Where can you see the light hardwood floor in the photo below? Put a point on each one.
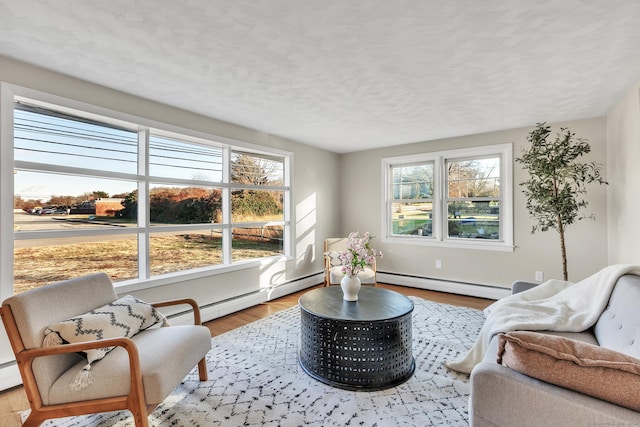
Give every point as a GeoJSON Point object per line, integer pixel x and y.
{"type": "Point", "coordinates": [13, 401]}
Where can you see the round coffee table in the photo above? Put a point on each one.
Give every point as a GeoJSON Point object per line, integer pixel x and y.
{"type": "Point", "coordinates": [356, 345]}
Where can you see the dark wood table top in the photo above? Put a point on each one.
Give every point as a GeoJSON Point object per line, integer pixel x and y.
{"type": "Point", "coordinates": [373, 304]}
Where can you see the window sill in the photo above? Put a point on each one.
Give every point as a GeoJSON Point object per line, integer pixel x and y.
{"type": "Point", "coordinates": [479, 244]}
{"type": "Point", "coordinates": [183, 276]}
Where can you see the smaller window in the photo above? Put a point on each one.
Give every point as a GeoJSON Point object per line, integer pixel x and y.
{"type": "Point", "coordinates": [457, 198]}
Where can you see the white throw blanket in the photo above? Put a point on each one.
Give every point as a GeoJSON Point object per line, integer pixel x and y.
{"type": "Point", "coordinates": [553, 306]}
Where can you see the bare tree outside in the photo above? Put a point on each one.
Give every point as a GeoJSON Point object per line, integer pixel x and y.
{"type": "Point", "coordinates": [473, 178]}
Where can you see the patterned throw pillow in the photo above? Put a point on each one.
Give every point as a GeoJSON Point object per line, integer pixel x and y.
{"type": "Point", "coordinates": [124, 317]}
{"type": "Point", "coordinates": [334, 258]}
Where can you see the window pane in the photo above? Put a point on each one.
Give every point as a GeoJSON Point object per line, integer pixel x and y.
{"type": "Point", "coordinates": [184, 205]}
{"type": "Point", "coordinates": [474, 220]}
{"type": "Point", "coordinates": [43, 261]}
{"type": "Point", "coordinates": [171, 251]}
{"type": "Point", "coordinates": [257, 242]}
{"type": "Point", "coordinates": [170, 158]}
{"type": "Point", "coordinates": [69, 201]}
{"type": "Point", "coordinates": [256, 169]}
{"type": "Point", "coordinates": [474, 178]}
{"type": "Point", "coordinates": [45, 136]}
{"type": "Point", "coordinates": [413, 182]}
{"type": "Point", "coordinates": [412, 218]}
{"type": "Point", "coordinates": [257, 205]}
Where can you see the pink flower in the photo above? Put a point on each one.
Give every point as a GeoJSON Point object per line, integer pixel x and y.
{"type": "Point", "coordinates": [358, 254]}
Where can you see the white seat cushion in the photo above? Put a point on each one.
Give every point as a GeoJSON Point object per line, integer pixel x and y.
{"type": "Point", "coordinates": [167, 355]}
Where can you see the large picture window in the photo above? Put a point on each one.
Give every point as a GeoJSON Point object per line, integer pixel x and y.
{"type": "Point", "coordinates": [457, 198]}
{"type": "Point", "coordinates": [93, 192]}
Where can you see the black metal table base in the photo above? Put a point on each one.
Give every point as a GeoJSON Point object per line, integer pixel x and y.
{"type": "Point", "coordinates": [352, 354]}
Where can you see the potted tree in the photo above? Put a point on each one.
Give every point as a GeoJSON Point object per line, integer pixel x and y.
{"type": "Point", "coordinates": [558, 179]}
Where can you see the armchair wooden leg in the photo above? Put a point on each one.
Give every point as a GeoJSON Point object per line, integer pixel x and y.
{"type": "Point", "coordinates": [140, 416]}
{"type": "Point", "coordinates": [135, 400]}
{"type": "Point", "coordinates": [202, 369]}
{"type": "Point", "coordinates": [33, 420]}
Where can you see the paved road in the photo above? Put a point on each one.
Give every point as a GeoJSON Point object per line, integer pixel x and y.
{"type": "Point", "coordinates": [27, 222]}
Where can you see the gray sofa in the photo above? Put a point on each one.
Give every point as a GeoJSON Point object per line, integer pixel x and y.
{"type": "Point", "coordinates": [504, 397]}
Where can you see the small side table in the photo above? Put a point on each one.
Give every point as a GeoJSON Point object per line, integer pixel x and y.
{"type": "Point", "coordinates": [356, 345]}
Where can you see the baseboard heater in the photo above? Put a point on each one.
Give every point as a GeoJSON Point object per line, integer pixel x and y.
{"type": "Point", "coordinates": [442, 285]}
{"type": "Point", "coordinates": [231, 305]}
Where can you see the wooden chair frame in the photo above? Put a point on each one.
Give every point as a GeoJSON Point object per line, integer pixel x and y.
{"type": "Point", "coordinates": [134, 401]}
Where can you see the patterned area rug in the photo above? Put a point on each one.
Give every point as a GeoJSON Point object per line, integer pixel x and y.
{"type": "Point", "coordinates": [255, 380]}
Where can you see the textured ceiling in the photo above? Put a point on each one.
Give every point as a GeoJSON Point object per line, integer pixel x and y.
{"type": "Point", "coordinates": [344, 75]}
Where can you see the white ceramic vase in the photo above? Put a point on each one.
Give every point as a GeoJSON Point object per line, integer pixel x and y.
{"type": "Point", "coordinates": [350, 287]}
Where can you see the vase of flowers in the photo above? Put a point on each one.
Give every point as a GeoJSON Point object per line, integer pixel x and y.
{"type": "Point", "coordinates": [358, 255]}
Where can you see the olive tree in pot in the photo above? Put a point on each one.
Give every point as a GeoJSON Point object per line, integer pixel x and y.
{"type": "Point", "coordinates": [558, 179]}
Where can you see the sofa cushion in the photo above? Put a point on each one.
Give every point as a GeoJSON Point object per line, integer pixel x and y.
{"type": "Point", "coordinates": [166, 355]}
{"type": "Point", "coordinates": [618, 325]}
{"type": "Point", "coordinates": [586, 368]}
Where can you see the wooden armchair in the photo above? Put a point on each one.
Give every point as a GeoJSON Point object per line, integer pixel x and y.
{"type": "Point", "coordinates": [333, 267]}
{"type": "Point", "coordinates": [137, 375]}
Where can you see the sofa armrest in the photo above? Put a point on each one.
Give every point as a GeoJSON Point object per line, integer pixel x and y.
{"type": "Point", "coordinates": [521, 286]}
{"type": "Point", "coordinates": [503, 397]}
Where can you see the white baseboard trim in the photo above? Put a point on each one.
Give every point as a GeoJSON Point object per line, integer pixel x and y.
{"type": "Point", "coordinates": [471, 289]}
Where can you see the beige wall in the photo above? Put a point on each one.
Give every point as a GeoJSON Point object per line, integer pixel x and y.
{"type": "Point", "coordinates": [623, 154]}
{"type": "Point", "coordinates": [361, 202]}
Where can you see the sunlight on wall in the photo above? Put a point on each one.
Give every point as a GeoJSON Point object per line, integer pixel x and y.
{"type": "Point", "coordinates": [306, 230]}
{"type": "Point", "coordinates": [272, 275]}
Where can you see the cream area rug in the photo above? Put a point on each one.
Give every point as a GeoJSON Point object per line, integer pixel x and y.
{"type": "Point", "coordinates": [255, 380]}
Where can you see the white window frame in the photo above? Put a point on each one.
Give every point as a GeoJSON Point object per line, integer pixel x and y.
{"type": "Point", "coordinates": [9, 93]}
{"type": "Point", "coordinates": [439, 235]}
